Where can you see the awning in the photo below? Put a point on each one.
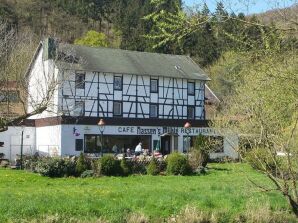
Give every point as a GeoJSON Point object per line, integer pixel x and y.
{"type": "Point", "coordinates": [169, 134]}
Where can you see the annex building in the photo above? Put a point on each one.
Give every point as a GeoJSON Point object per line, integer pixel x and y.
{"type": "Point", "coordinates": [142, 97]}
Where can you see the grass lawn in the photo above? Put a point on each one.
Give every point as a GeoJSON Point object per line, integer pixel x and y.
{"type": "Point", "coordinates": [225, 189]}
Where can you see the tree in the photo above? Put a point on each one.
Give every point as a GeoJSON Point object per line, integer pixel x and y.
{"type": "Point", "coordinates": [93, 39]}
{"type": "Point", "coordinates": [263, 108]}
{"type": "Point", "coordinates": [16, 53]}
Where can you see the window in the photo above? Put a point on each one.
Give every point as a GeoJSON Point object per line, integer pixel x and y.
{"type": "Point", "coordinates": [93, 143]}
{"type": "Point", "coordinates": [80, 81]}
{"type": "Point", "coordinates": [190, 112]}
{"type": "Point", "coordinates": [117, 108]}
{"type": "Point", "coordinates": [79, 144]}
{"type": "Point", "coordinates": [118, 83]}
{"type": "Point", "coordinates": [79, 108]}
{"type": "Point", "coordinates": [9, 96]}
{"type": "Point", "coordinates": [187, 143]}
{"type": "Point", "coordinates": [154, 85]}
{"type": "Point", "coordinates": [153, 111]}
{"type": "Point", "coordinates": [191, 88]}
{"type": "Point", "coordinates": [216, 144]}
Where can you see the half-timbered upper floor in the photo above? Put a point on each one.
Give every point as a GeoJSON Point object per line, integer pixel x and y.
{"type": "Point", "coordinates": [114, 83]}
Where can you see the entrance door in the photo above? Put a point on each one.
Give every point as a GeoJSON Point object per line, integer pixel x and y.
{"type": "Point", "coordinates": [165, 145]}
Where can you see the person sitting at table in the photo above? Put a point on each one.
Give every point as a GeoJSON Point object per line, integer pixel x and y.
{"type": "Point", "coordinates": [128, 153]}
{"type": "Point", "coordinates": [115, 149]}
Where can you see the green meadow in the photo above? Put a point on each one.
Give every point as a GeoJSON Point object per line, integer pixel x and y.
{"type": "Point", "coordinates": [225, 190]}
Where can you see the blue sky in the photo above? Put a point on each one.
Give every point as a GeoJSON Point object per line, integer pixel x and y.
{"type": "Point", "coordinates": [245, 6]}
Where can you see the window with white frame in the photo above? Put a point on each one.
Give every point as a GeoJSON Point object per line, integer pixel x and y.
{"type": "Point", "coordinates": [154, 85]}
{"type": "Point", "coordinates": [80, 80]}
{"type": "Point", "coordinates": [117, 108]}
{"type": "Point", "coordinates": [153, 111]}
{"type": "Point", "coordinates": [191, 88]}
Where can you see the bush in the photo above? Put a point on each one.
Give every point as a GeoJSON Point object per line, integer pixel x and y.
{"type": "Point", "coordinates": [260, 159]}
{"type": "Point", "coordinates": [125, 167]}
{"type": "Point", "coordinates": [87, 173]}
{"type": "Point", "coordinates": [177, 164]}
{"type": "Point", "coordinates": [52, 167]}
{"type": "Point", "coordinates": [200, 154]}
{"type": "Point", "coordinates": [153, 167]}
{"type": "Point", "coordinates": [109, 166]}
{"type": "Point", "coordinates": [69, 167]}
{"type": "Point", "coordinates": [138, 166]}
{"type": "Point", "coordinates": [81, 165]}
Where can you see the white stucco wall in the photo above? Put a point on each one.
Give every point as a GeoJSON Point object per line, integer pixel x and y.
{"type": "Point", "coordinates": [48, 140]}
{"type": "Point", "coordinates": [41, 75]}
{"type": "Point", "coordinates": [12, 141]}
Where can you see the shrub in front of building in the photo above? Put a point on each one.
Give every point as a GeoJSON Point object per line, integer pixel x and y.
{"type": "Point", "coordinates": [87, 173]}
{"type": "Point", "coordinates": [109, 166]}
{"type": "Point", "coordinates": [139, 166]}
{"type": "Point", "coordinates": [125, 167]}
{"type": "Point", "coordinates": [55, 167]}
{"type": "Point", "coordinates": [81, 164]}
{"type": "Point", "coordinates": [153, 167]}
{"type": "Point", "coordinates": [200, 153]}
{"type": "Point", "coordinates": [177, 164]}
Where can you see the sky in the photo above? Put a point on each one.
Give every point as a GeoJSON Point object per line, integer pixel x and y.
{"type": "Point", "coordinates": [245, 6]}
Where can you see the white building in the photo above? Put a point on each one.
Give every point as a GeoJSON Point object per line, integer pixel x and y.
{"type": "Point", "coordinates": [142, 97]}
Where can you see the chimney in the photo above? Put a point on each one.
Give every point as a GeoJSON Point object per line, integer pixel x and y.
{"type": "Point", "coordinates": [49, 48]}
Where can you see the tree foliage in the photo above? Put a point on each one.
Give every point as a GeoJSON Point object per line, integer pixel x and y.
{"type": "Point", "coordinates": [263, 110]}
{"type": "Point", "coordinates": [93, 39]}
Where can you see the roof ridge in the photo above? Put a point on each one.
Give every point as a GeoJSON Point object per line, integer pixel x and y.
{"type": "Point", "coordinates": [133, 51]}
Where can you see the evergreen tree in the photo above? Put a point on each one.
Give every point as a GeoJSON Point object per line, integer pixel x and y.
{"type": "Point", "coordinates": [205, 10]}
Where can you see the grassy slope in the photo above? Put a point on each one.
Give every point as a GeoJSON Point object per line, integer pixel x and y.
{"type": "Point", "coordinates": [225, 190]}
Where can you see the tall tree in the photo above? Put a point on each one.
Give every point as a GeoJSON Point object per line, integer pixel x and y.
{"type": "Point", "coordinates": [264, 104]}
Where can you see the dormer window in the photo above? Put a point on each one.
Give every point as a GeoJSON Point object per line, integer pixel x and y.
{"type": "Point", "coordinates": [80, 81]}
{"type": "Point", "coordinates": [118, 83]}
{"type": "Point", "coordinates": [154, 85]}
{"type": "Point", "coordinates": [191, 88]}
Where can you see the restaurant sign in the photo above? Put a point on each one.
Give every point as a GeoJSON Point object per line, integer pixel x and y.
{"type": "Point", "coordinates": [164, 130]}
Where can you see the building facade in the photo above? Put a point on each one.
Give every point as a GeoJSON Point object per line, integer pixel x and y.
{"type": "Point", "coordinates": [142, 97]}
